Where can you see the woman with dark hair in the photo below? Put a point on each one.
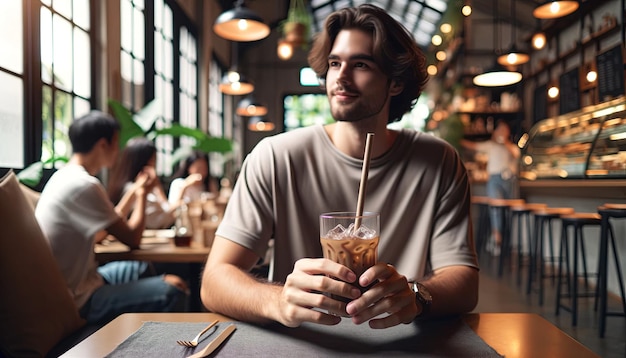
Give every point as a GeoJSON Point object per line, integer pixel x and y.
{"type": "Point", "coordinates": [139, 155]}
{"type": "Point", "coordinates": [192, 179]}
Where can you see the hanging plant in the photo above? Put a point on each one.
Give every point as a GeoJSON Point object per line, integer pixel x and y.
{"type": "Point", "coordinates": [297, 25]}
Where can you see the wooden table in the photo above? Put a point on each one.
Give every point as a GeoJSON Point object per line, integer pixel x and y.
{"type": "Point", "coordinates": [155, 249]}
{"type": "Point", "coordinates": [161, 249]}
{"type": "Point", "coordinates": [511, 334]}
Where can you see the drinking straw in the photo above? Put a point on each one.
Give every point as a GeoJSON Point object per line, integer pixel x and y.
{"type": "Point", "coordinates": [366, 167]}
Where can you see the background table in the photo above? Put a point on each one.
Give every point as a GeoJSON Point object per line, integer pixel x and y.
{"type": "Point", "coordinates": [511, 334]}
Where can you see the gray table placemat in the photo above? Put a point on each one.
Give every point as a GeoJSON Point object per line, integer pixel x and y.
{"type": "Point", "coordinates": [445, 338]}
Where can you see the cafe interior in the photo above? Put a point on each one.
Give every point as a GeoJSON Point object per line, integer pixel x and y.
{"type": "Point", "coordinates": [221, 75]}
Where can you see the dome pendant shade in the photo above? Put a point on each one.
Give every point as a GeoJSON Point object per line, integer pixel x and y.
{"type": "Point", "coordinates": [259, 124]}
{"type": "Point", "coordinates": [497, 77]}
{"type": "Point", "coordinates": [513, 57]}
{"type": "Point", "coordinates": [555, 8]}
{"type": "Point", "coordinates": [235, 85]}
{"type": "Point", "coordinates": [240, 24]}
{"type": "Point", "coordinates": [249, 107]}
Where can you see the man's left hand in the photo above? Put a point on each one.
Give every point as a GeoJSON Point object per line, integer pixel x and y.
{"type": "Point", "coordinates": [391, 296]}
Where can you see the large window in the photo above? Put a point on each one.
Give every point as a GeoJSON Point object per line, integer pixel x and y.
{"type": "Point", "coordinates": [65, 71]}
{"type": "Point", "coordinates": [48, 77]}
{"type": "Point", "coordinates": [133, 50]}
{"type": "Point", "coordinates": [12, 88]}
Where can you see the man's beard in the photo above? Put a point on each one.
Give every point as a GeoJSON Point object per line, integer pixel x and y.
{"type": "Point", "coordinates": [357, 110]}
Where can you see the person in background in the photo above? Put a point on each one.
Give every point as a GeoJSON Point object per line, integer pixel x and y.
{"type": "Point", "coordinates": [192, 179]}
{"type": "Point", "coordinates": [140, 155]}
{"type": "Point", "coordinates": [502, 167]}
{"type": "Point", "coordinates": [373, 71]}
{"type": "Point", "coordinates": [74, 213]}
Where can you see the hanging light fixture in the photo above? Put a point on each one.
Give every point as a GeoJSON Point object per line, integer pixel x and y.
{"type": "Point", "coordinates": [249, 107]}
{"type": "Point", "coordinates": [234, 84]}
{"type": "Point", "coordinates": [539, 40]}
{"type": "Point", "coordinates": [497, 76]}
{"type": "Point", "coordinates": [284, 50]}
{"type": "Point", "coordinates": [259, 124]}
{"type": "Point", "coordinates": [553, 9]}
{"type": "Point", "coordinates": [513, 57]}
{"type": "Point", "coordinates": [240, 24]}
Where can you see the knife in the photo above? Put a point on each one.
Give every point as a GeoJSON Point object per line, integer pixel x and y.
{"type": "Point", "coordinates": [215, 342]}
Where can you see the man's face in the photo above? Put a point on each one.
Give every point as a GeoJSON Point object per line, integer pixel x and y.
{"type": "Point", "coordinates": [356, 87]}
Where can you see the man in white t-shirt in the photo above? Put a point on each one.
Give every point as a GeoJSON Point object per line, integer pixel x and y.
{"type": "Point", "coordinates": [74, 212]}
{"type": "Point", "coordinates": [373, 72]}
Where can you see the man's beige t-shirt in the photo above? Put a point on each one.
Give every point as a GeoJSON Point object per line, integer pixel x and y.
{"type": "Point", "coordinates": [420, 187]}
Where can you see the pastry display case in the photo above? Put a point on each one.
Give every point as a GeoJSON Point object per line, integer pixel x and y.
{"type": "Point", "coordinates": [588, 143]}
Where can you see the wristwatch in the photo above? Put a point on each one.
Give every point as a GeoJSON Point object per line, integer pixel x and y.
{"type": "Point", "coordinates": [422, 297]}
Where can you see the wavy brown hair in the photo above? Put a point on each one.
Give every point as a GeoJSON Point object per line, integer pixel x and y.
{"type": "Point", "coordinates": [395, 52]}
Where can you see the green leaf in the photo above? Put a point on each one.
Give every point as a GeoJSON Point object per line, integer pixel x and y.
{"type": "Point", "coordinates": [130, 128]}
{"type": "Point", "coordinates": [31, 175]}
{"type": "Point", "coordinates": [176, 130]}
{"type": "Point", "coordinates": [213, 144]}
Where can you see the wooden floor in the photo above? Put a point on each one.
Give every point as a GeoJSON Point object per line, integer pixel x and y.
{"type": "Point", "coordinates": [501, 294]}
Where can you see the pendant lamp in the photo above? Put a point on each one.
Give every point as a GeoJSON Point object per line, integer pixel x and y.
{"type": "Point", "coordinates": [250, 107]}
{"type": "Point", "coordinates": [240, 24]}
{"type": "Point", "coordinates": [497, 76]}
{"type": "Point", "coordinates": [234, 84]}
{"type": "Point", "coordinates": [553, 9]}
{"type": "Point", "coordinates": [259, 124]}
{"type": "Point", "coordinates": [513, 57]}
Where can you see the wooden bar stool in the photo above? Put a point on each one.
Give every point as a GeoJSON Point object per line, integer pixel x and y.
{"type": "Point", "coordinates": [483, 225]}
{"type": "Point", "coordinates": [522, 214]}
{"type": "Point", "coordinates": [576, 221]}
{"type": "Point", "coordinates": [543, 220]}
{"type": "Point", "coordinates": [503, 207]}
{"type": "Point", "coordinates": [607, 237]}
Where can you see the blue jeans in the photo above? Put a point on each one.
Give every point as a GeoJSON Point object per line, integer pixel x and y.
{"type": "Point", "coordinates": [125, 291]}
{"type": "Point", "coordinates": [498, 188]}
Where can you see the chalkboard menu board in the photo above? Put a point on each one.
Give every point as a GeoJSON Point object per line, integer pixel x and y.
{"type": "Point", "coordinates": [569, 99]}
{"type": "Point", "coordinates": [610, 73]}
{"type": "Point", "coordinates": [540, 106]}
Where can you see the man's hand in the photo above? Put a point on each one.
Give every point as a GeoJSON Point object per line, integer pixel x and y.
{"type": "Point", "coordinates": [303, 299]}
{"type": "Point", "coordinates": [391, 296]}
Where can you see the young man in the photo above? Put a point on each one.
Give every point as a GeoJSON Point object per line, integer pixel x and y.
{"type": "Point", "coordinates": [373, 72]}
{"type": "Point", "coordinates": [74, 212]}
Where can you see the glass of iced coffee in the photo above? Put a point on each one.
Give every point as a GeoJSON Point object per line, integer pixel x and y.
{"type": "Point", "coordinates": [351, 240]}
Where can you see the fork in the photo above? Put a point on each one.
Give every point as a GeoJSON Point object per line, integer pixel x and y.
{"type": "Point", "coordinates": [194, 341]}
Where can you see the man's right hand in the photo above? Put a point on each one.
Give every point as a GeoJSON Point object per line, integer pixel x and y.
{"type": "Point", "coordinates": [305, 295]}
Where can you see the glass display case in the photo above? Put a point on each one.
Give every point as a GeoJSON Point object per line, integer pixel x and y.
{"type": "Point", "coordinates": [588, 143]}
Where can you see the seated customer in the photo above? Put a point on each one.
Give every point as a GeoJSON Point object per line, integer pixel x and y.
{"type": "Point", "coordinates": [140, 155]}
{"type": "Point", "coordinates": [373, 72]}
{"type": "Point", "coordinates": [74, 212]}
{"type": "Point", "coordinates": [192, 179]}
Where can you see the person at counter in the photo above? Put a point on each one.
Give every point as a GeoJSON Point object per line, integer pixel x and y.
{"type": "Point", "coordinates": [74, 212]}
{"type": "Point", "coordinates": [373, 72]}
{"type": "Point", "coordinates": [502, 164]}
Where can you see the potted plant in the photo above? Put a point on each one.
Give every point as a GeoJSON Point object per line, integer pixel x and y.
{"type": "Point", "coordinates": [297, 25]}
